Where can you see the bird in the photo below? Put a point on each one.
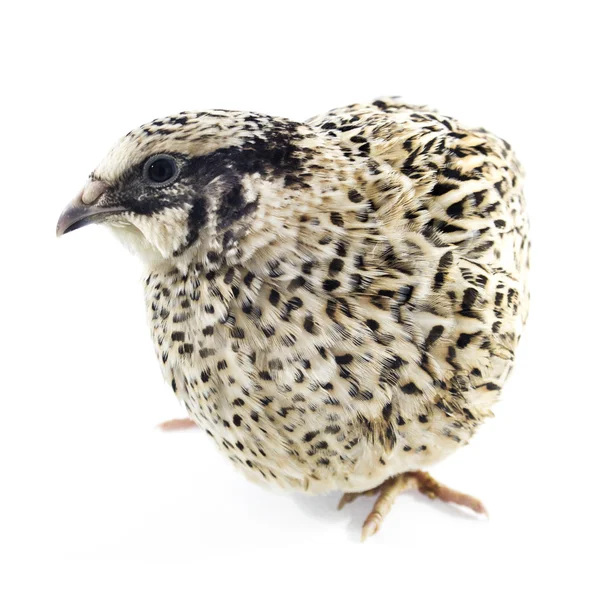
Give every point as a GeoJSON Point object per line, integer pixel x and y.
{"type": "Point", "coordinates": [336, 302]}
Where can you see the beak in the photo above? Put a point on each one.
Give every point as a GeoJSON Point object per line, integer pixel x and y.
{"type": "Point", "coordinates": [84, 209]}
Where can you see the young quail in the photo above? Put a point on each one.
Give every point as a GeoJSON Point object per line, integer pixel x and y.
{"type": "Point", "coordinates": [338, 302]}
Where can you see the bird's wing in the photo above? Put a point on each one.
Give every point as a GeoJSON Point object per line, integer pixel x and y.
{"type": "Point", "coordinates": [449, 199]}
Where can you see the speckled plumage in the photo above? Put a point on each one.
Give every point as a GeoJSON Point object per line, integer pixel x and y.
{"type": "Point", "coordinates": [337, 301]}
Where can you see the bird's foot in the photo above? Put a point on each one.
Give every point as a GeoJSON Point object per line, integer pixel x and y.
{"type": "Point", "coordinates": [413, 480]}
{"type": "Point", "coordinates": [176, 425]}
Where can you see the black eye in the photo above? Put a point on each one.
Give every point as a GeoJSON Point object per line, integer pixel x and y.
{"type": "Point", "coordinates": [161, 169]}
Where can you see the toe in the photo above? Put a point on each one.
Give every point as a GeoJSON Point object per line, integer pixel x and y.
{"type": "Point", "coordinates": [347, 498]}
{"type": "Point", "coordinates": [371, 525]}
{"type": "Point", "coordinates": [176, 425]}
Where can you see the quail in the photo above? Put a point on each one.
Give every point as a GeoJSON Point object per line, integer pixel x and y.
{"type": "Point", "coordinates": [337, 303]}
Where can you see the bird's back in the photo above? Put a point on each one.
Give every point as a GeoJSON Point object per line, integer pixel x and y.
{"type": "Point", "coordinates": [466, 184]}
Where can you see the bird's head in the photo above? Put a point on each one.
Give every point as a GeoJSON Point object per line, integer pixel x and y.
{"type": "Point", "coordinates": [210, 187]}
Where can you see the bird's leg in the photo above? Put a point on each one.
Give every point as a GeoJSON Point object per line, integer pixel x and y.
{"type": "Point", "coordinates": [352, 496]}
{"type": "Point", "coordinates": [413, 480]}
{"type": "Point", "coordinates": [176, 425]}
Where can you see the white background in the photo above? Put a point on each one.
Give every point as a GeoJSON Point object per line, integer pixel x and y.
{"type": "Point", "coordinates": [95, 503]}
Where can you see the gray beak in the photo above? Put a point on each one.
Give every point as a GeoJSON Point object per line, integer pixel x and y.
{"type": "Point", "coordinates": [84, 209]}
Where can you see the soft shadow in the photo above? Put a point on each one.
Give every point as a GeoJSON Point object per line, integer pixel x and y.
{"type": "Point", "coordinates": [325, 508]}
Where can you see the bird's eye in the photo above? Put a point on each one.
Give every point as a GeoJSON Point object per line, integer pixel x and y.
{"type": "Point", "coordinates": [161, 170]}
